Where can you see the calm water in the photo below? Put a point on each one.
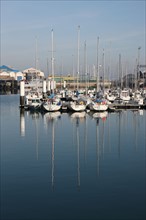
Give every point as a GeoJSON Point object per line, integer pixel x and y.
{"type": "Point", "coordinates": [66, 167]}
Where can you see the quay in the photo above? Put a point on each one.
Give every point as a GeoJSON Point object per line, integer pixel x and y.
{"type": "Point", "coordinates": [9, 84]}
{"type": "Point", "coordinates": [120, 106]}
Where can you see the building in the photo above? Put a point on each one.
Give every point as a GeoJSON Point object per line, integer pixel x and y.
{"type": "Point", "coordinates": [10, 74]}
{"type": "Point", "coordinates": [32, 73]}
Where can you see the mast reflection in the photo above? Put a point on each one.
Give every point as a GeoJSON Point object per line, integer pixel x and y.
{"type": "Point", "coordinates": [77, 117]}
{"type": "Point", "coordinates": [50, 119]}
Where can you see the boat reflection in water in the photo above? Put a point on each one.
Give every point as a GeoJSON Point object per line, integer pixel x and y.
{"type": "Point", "coordinates": [77, 115]}
{"type": "Point", "coordinates": [76, 118]}
{"type": "Point", "coordinates": [50, 119]}
{"type": "Point", "coordinates": [102, 115]}
{"type": "Point", "coordinates": [87, 158]}
{"type": "Point", "coordinates": [52, 115]}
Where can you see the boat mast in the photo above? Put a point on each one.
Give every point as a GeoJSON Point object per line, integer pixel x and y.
{"type": "Point", "coordinates": [78, 67]}
{"type": "Point", "coordinates": [73, 71]}
{"type": "Point", "coordinates": [138, 61]}
{"type": "Point", "coordinates": [36, 58]}
{"type": "Point", "coordinates": [36, 53]}
{"type": "Point", "coordinates": [109, 73]}
{"type": "Point", "coordinates": [103, 64]}
{"type": "Point", "coordinates": [97, 81]}
{"type": "Point", "coordinates": [52, 59]}
{"type": "Point", "coordinates": [120, 71]}
{"type": "Point", "coordinates": [85, 65]}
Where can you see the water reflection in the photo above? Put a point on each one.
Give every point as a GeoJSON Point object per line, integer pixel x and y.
{"type": "Point", "coordinates": [22, 122]}
{"type": "Point", "coordinates": [77, 118]}
{"type": "Point", "coordinates": [94, 135]}
{"type": "Point", "coordinates": [63, 163]}
{"type": "Point", "coordinates": [79, 166]}
{"type": "Point", "coordinates": [102, 115]}
{"type": "Point", "coordinates": [78, 115]}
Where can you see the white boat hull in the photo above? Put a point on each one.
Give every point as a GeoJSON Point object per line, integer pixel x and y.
{"type": "Point", "coordinates": [111, 98]}
{"type": "Point", "coordinates": [33, 102]}
{"type": "Point", "coordinates": [49, 107]}
{"type": "Point", "coordinates": [97, 106]}
{"type": "Point", "coordinates": [73, 106]}
{"type": "Point", "coordinates": [126, 99]}
{"type": "Point", "coordinates": [35, 106]}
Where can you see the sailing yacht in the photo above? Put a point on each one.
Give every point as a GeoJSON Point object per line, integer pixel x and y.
{"type": "Point", "coordinates": [52, 103]}
{"type": "Point", "coordinates": [77, 105]}
{"type": "Point", "coordinates": [110, 96]}
{"type": "Point", "coordinates": [34, 96]}
{"type": "Point", "coordinates": [98, 105]}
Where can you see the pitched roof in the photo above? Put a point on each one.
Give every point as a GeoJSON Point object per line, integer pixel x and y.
{"type": "Point", "coordinates": [7, 69]}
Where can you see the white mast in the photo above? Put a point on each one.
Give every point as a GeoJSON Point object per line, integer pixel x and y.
{"type": "Point", "coordinates": [85, 63]}
{"type": "Point", "coordinates": [120, 70]}
{"type": "Point", "coordinates": [103, 69]}
{"type": "Point", "coordinates": [97, 83]}
{"type": "Point", "coordinates": [73, 71]}
{"type": "Point", "coordinates": [52, 59]}
{"type": "Point", "coordinates": [78, 65]}
{"type": "Point", "coordinates": [36, 55]}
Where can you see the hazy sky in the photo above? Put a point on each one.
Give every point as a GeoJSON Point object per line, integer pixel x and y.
{"type": "Point", "coordinates": [120, 26]}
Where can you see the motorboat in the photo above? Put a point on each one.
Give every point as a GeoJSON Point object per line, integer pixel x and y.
{"type": "Point", "coordinates": [33, 100]}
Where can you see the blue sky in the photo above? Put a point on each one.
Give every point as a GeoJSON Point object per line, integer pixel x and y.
{"type": "Point", "coordinates": [120, 26]}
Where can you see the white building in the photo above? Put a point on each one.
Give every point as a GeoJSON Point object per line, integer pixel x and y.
{"type": "Point", "coordinates": [7, 72]}
{"type": "Point", "coordinates": [33, 73]}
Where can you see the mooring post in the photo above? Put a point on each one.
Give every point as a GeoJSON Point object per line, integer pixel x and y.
{"type": "Point", "coordinates": [44, 88]}
{"type": "Point", "coordinates": [64, 84]}
{"type": "Point", "coordinates": [22, 93]}
{"type": "Point", "coordinates": [48, 86]}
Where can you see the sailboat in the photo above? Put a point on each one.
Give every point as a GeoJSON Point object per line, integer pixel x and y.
{"type": "Point", "coordinates": [52, 103]}
{"type": "Point", "coordinates": [98, 104]}
{"type": "Point", "coordinates": [77, 105]}
{"type": "Point", "coordinates": [33, 98]}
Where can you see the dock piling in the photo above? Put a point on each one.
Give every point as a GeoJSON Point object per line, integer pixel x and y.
{"type": "Point", "coordinates": [22, 94]}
